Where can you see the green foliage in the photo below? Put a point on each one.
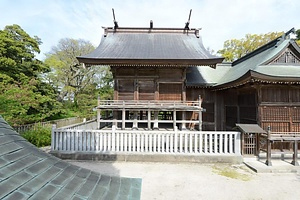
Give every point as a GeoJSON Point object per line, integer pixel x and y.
{"type": "Point", "coordinates": [67, 74]}
{"type": "Point", "coordinates": [24, 98]}
{"type": "Point", "coordinates": [298, 36]}
{"type": "Point", "coordinates": [79, 86]}
{"type": "Point", "coordinates": [39, 136]}
{"type": "Point", "coordinates": [236, 48]}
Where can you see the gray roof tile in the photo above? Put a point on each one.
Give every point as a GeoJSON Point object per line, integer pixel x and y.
{"type": "Point", "coordinates": [8, 148]}
{"type": "Point", "coordinates": [145, 44]}
{"type": "Point", "coordinates": [16, 155]}
{"type": "Point", "coordinates": [16, 167]}
{"type": "Point", "coordinates": [16, 196]}
{"type": "Point", "coordinates": [28, 173]}
{"type": "Point", "coordinates": [13, 183]}
{"type": "Point", "coordinates": [45, 193]}
{"type": "Point", "coordinates": [87, 187]}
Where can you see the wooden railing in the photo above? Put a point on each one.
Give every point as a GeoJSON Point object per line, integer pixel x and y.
{"type": "Point", "coordinates": [136, 141]}
{"type": "Point", "coordinates": [153, 104]}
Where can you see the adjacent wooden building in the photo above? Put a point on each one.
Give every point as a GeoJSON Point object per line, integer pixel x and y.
{"type": "Point", "coordinates": [261, 88]}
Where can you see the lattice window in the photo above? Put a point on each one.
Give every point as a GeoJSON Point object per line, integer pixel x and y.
{"type": "Point", "coordinates": [287, 57]}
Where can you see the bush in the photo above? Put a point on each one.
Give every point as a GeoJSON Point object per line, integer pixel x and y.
{"type": "Point", "coordinates": [40, 136]}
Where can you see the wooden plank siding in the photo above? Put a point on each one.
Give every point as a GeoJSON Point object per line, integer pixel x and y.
{"type": "Point", "coordinates": [280, 108]}
{"type": "Point", "coordinates": [151, 83]}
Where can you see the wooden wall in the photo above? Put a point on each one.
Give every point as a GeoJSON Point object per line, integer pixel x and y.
{"type": "Point", "coordinates": [279, 108]}
{"type": "Point", "coordinates": [240, 106]}
{"type": "Point", "coordinates": [149, 83]}
{"type": "Point", "coordinates": [210, 116]}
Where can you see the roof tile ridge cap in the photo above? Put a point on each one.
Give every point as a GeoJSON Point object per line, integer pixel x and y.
{"type": "Point", "coordinates": [150, 30]}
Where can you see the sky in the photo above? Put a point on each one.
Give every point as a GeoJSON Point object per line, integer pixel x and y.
{"type": "Point", "coordinates": [219, 20]}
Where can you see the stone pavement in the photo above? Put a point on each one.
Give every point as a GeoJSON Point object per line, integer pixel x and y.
{"type": "Point", "coordinates": [278, 165]}
{"type": "Point", "coordinates": [194, 181]}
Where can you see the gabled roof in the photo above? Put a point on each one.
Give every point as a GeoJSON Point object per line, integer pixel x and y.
{"type": "Point", "coordinates": [150, 46]}
{"type": "Point", "coordinates": [27, 172]}
{"type": "Point", "coordinates": [264, 65]}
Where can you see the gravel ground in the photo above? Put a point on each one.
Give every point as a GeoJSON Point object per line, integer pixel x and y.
{"type": "Point", "coordinates": [201, 181]}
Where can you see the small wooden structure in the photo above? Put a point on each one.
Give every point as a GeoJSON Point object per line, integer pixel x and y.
{"type": "Point", "coordinates": [281, 137]}
{"type": "Point", "coordinates": [250, 138]}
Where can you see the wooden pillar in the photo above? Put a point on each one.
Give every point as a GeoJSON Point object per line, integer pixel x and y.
{"type": "Point", "coordinates": [115, 117]}
{"type": "Point", "coordinates": [123, 118]}
{"type": "Point", "coordinates": [155, 126]}
{"type": "Point", "coordinates": [98, 114]}
{"type": "Point", "coordinates": [149, 119]}
{"type": "Point", "coordinates": [135, 120]}
{"type": "Point", "coordinates": [184, 85]}
{"type": "Point", "coordinates": [268, 161]}
{"type": "Point", "coordinates": [174, 119]}
{"type": "Point", "coordinates": [183, 127]}
{"type": "Point", "coordinates": [257, 144]}
{"type": "Point", "coordinates": [200, 113]}
{"type": "Point", "coordinates": [295, 155]}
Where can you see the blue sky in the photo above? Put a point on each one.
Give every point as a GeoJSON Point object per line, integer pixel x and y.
{"type": "Point", "coordinates": [220, 20]}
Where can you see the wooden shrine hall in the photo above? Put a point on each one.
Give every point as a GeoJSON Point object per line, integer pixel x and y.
{"type": "Point", "coordinates": [149, 67]}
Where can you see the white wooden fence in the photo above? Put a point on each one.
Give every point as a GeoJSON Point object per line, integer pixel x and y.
{"type": "Point", "coordinates": [136, 141]}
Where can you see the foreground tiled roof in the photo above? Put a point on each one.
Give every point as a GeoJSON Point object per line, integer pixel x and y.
{"type": "Point", "coordinates": [28, 173]}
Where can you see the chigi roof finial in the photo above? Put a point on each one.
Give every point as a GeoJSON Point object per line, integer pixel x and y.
{"type": "Point", "coordinates": [188, 22]}
{"type": "Point", "coordinates": [115, 22]}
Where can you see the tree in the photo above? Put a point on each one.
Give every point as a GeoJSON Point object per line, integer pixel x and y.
{"type": "Point", "coordinates": [24, 98]}
{"type": "Point", "coordinates": [235, 49]}
{"type": "Point", "coordinates": [298, 36]}
{"type": "Point", "coordinates": [68, 75]}
{"type": "Point", "coordinates": [78, 84]}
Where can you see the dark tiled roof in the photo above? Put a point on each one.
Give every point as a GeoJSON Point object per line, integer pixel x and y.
{"type": "Point", "coordinates": [151, 44]}
{"type": "Point", "coordinates": [28, 173]}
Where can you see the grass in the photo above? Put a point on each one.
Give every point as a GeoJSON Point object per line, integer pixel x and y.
{"type": "Point", "coordinates": [231, 172]}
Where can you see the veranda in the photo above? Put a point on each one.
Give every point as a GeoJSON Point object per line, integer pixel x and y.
{"type": "Point", "coordinates": [154, 136]}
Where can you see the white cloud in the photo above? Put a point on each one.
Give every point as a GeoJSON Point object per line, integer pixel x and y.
{"type": "Point", "coordinates": [220, 20]}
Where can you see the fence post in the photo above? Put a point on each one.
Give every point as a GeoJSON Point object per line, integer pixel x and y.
{"type": "Point", "coordinates": [113, 142]}
{"type": "Point", "coordinates": [176, 140]}
{"type": "Point", "coordinates": [237, 143]}
{"type": "Point", "coordinates": [98, 114]}
{"type": "Point", "coordinates": [53, 137]}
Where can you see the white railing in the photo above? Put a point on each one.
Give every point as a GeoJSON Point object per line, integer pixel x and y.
{"type": "Point", "coordinates": [135, 141]}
